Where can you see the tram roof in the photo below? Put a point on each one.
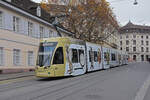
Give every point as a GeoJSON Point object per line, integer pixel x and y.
{"type": "Point", "coordinates": [57, 39]}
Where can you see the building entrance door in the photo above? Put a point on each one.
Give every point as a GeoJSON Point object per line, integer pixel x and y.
{"type": "Point", "coordinates": [147, 57]}
{"type": "Point", "coordinates": [134, 57]}
{"type": "Point", "coordinates": [142, 57]}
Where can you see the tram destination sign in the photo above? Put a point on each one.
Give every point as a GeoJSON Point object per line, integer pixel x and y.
{"type": "Point", "coordinates": [49, 44]}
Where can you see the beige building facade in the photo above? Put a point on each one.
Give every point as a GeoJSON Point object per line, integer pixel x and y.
{"type": "Point", "coordinates": [135, 39]}
{"type": "Point", "coordinates": [20, 33]}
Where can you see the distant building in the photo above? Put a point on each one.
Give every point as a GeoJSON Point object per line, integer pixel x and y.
{"type": "Point", "coordinates": [135, 39]}
{"type": "Point", "coordinates": [22, 24]}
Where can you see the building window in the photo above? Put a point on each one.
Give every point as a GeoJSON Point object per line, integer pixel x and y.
{"type": "Point", "coordinates": [134, 48]}
{"type": "Point", "coordinates": [134, 36]}
{"type": "Point", "coordinates": [142, 49]}
{"type": "Point", "coordinates": [120, 48]}
{"type": "Point", "coordinates": [142, 42]}
{"type": "Point", "coordinates": [147, 49]}
{"type": "Point", "coordinates": [147, 42]}
{"type": "Point", "coordinates": [127, 36]}
{"type": "Point", "coordinates": [120, 42]}
{"type": "Point", "coordinates": [15, 24]}
{"type": "Point", "coordinates": [142, 37]}
{"type": "Point", "coordinates": [30, 58]}
{"type": "Point", "coordinates": [134, 42]}
{"type": "Point", "coordinates": [120, 37]}
{"type": "Point", "coordinates": [52, 33]}
{"type": "Point", "coordinates": [127, 42]}
{"type": "Point", "coordinates": [146, 37]}
{"type": "Point", "coordinates": [41, 32]}
{"type": "Point", "coordinates": [127, 49]}
{"type": "Point", "coordinates": [134, 57]}
{"type": "Point", "coordinates": [147, 57]}
{"type": "Point", "coordinates": [30, 29]}
{"type": "Point", "coordinates": [1, 19]}
{"type": "Point", "coordinates": [16, 57]}
{"type": "Point", "coordinates": [1, 56]}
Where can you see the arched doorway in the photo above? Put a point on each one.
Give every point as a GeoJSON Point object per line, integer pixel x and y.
{"type": "Point", "coordinates": [134, 57]}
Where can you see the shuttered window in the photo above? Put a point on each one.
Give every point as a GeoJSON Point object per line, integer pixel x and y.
{"type": "Point", "coordinates": [1, 56]}
{"type": "Point", "coordinates": [15, 24]}
{"type": "Point", "coordinates": [30, 29]}
{"type": "Point", "coordinates": [1, 20]}
{"type": "Point", "coordinates": [41, 32]}
{"type": "Point", "coordinates": [16, 57]}
{"type": "Point", "coordinates": [30, 58]}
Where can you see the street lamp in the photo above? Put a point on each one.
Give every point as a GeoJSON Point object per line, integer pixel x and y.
{"type": "Point", "coordinates": [135, 2]}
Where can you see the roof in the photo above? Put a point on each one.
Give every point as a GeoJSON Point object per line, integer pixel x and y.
{"type": "Point", "coordinates": [130, 25]}
{"type": "Point", "coordinates": [57, 8]}
{"type": "Point", "coordinates": [30, 7]}
{"type": "Point", "coordinates": [133, 28]}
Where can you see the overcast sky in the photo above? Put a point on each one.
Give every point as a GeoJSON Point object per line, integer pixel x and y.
{"type": "Point", "coordinates": [125, 11]}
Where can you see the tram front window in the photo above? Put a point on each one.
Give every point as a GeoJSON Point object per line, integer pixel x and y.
{"type": "Point", "coordinates": [45, 53]}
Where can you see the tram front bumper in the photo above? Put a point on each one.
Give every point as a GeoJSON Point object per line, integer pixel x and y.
{"type": "Point", "coordinates": [44, 72]}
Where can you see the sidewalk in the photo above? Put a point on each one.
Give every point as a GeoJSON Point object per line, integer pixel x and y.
{"type": "Point", "coordinates": [11, 70]}
{"type": "Point", "coordinates": [16, 75]}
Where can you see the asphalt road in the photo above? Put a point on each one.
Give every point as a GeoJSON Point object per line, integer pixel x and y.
{"type": "Point", "coordinates": [130, 82]}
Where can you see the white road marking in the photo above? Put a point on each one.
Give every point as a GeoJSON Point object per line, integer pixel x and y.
{"type": "Point", "coordinates": [142, 91]}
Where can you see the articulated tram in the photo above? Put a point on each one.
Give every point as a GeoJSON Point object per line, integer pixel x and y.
{"type": "Point", "coordinates": [64, 56]}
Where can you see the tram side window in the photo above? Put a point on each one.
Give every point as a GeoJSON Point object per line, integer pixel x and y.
{"type": "Point", "coordinates": [81, 53]}
{"type": "Point", "coordinates": [105, 56]}
{"type": "Point", "coordinates": [74, 56]}
{"type": "Point", "coordinates": [58, 57]}
{"type": "Point", "coordinates": [95, 56]}
{"type": "Point", "coordinates": [113, 57]}
{"type": "Point", "coordinates": [90, 58]}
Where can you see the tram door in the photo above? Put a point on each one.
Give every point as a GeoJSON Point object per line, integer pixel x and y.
{"type": "Point", "coordinates": [58, 62]}
{"type": "Point", "coordinates": [78, 59]}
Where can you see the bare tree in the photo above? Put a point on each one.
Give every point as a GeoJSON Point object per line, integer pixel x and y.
{"type": "Point", "coordinates": [89, 20]}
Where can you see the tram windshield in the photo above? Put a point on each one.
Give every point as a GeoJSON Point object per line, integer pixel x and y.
{"type": "Point", "coordinates": [45, 53]}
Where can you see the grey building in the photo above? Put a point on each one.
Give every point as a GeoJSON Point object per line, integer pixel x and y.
{"type": "Point", "coordinates": [135, 39]}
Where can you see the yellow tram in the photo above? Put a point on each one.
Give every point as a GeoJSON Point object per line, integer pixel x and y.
{"type": "Point", "coordinates": [54, 60]}
{"type": "Point", "coordinates": [64, 56]}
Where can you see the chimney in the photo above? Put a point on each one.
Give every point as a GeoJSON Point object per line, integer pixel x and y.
{"type": "Point", "coordinates": [38, 11]}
